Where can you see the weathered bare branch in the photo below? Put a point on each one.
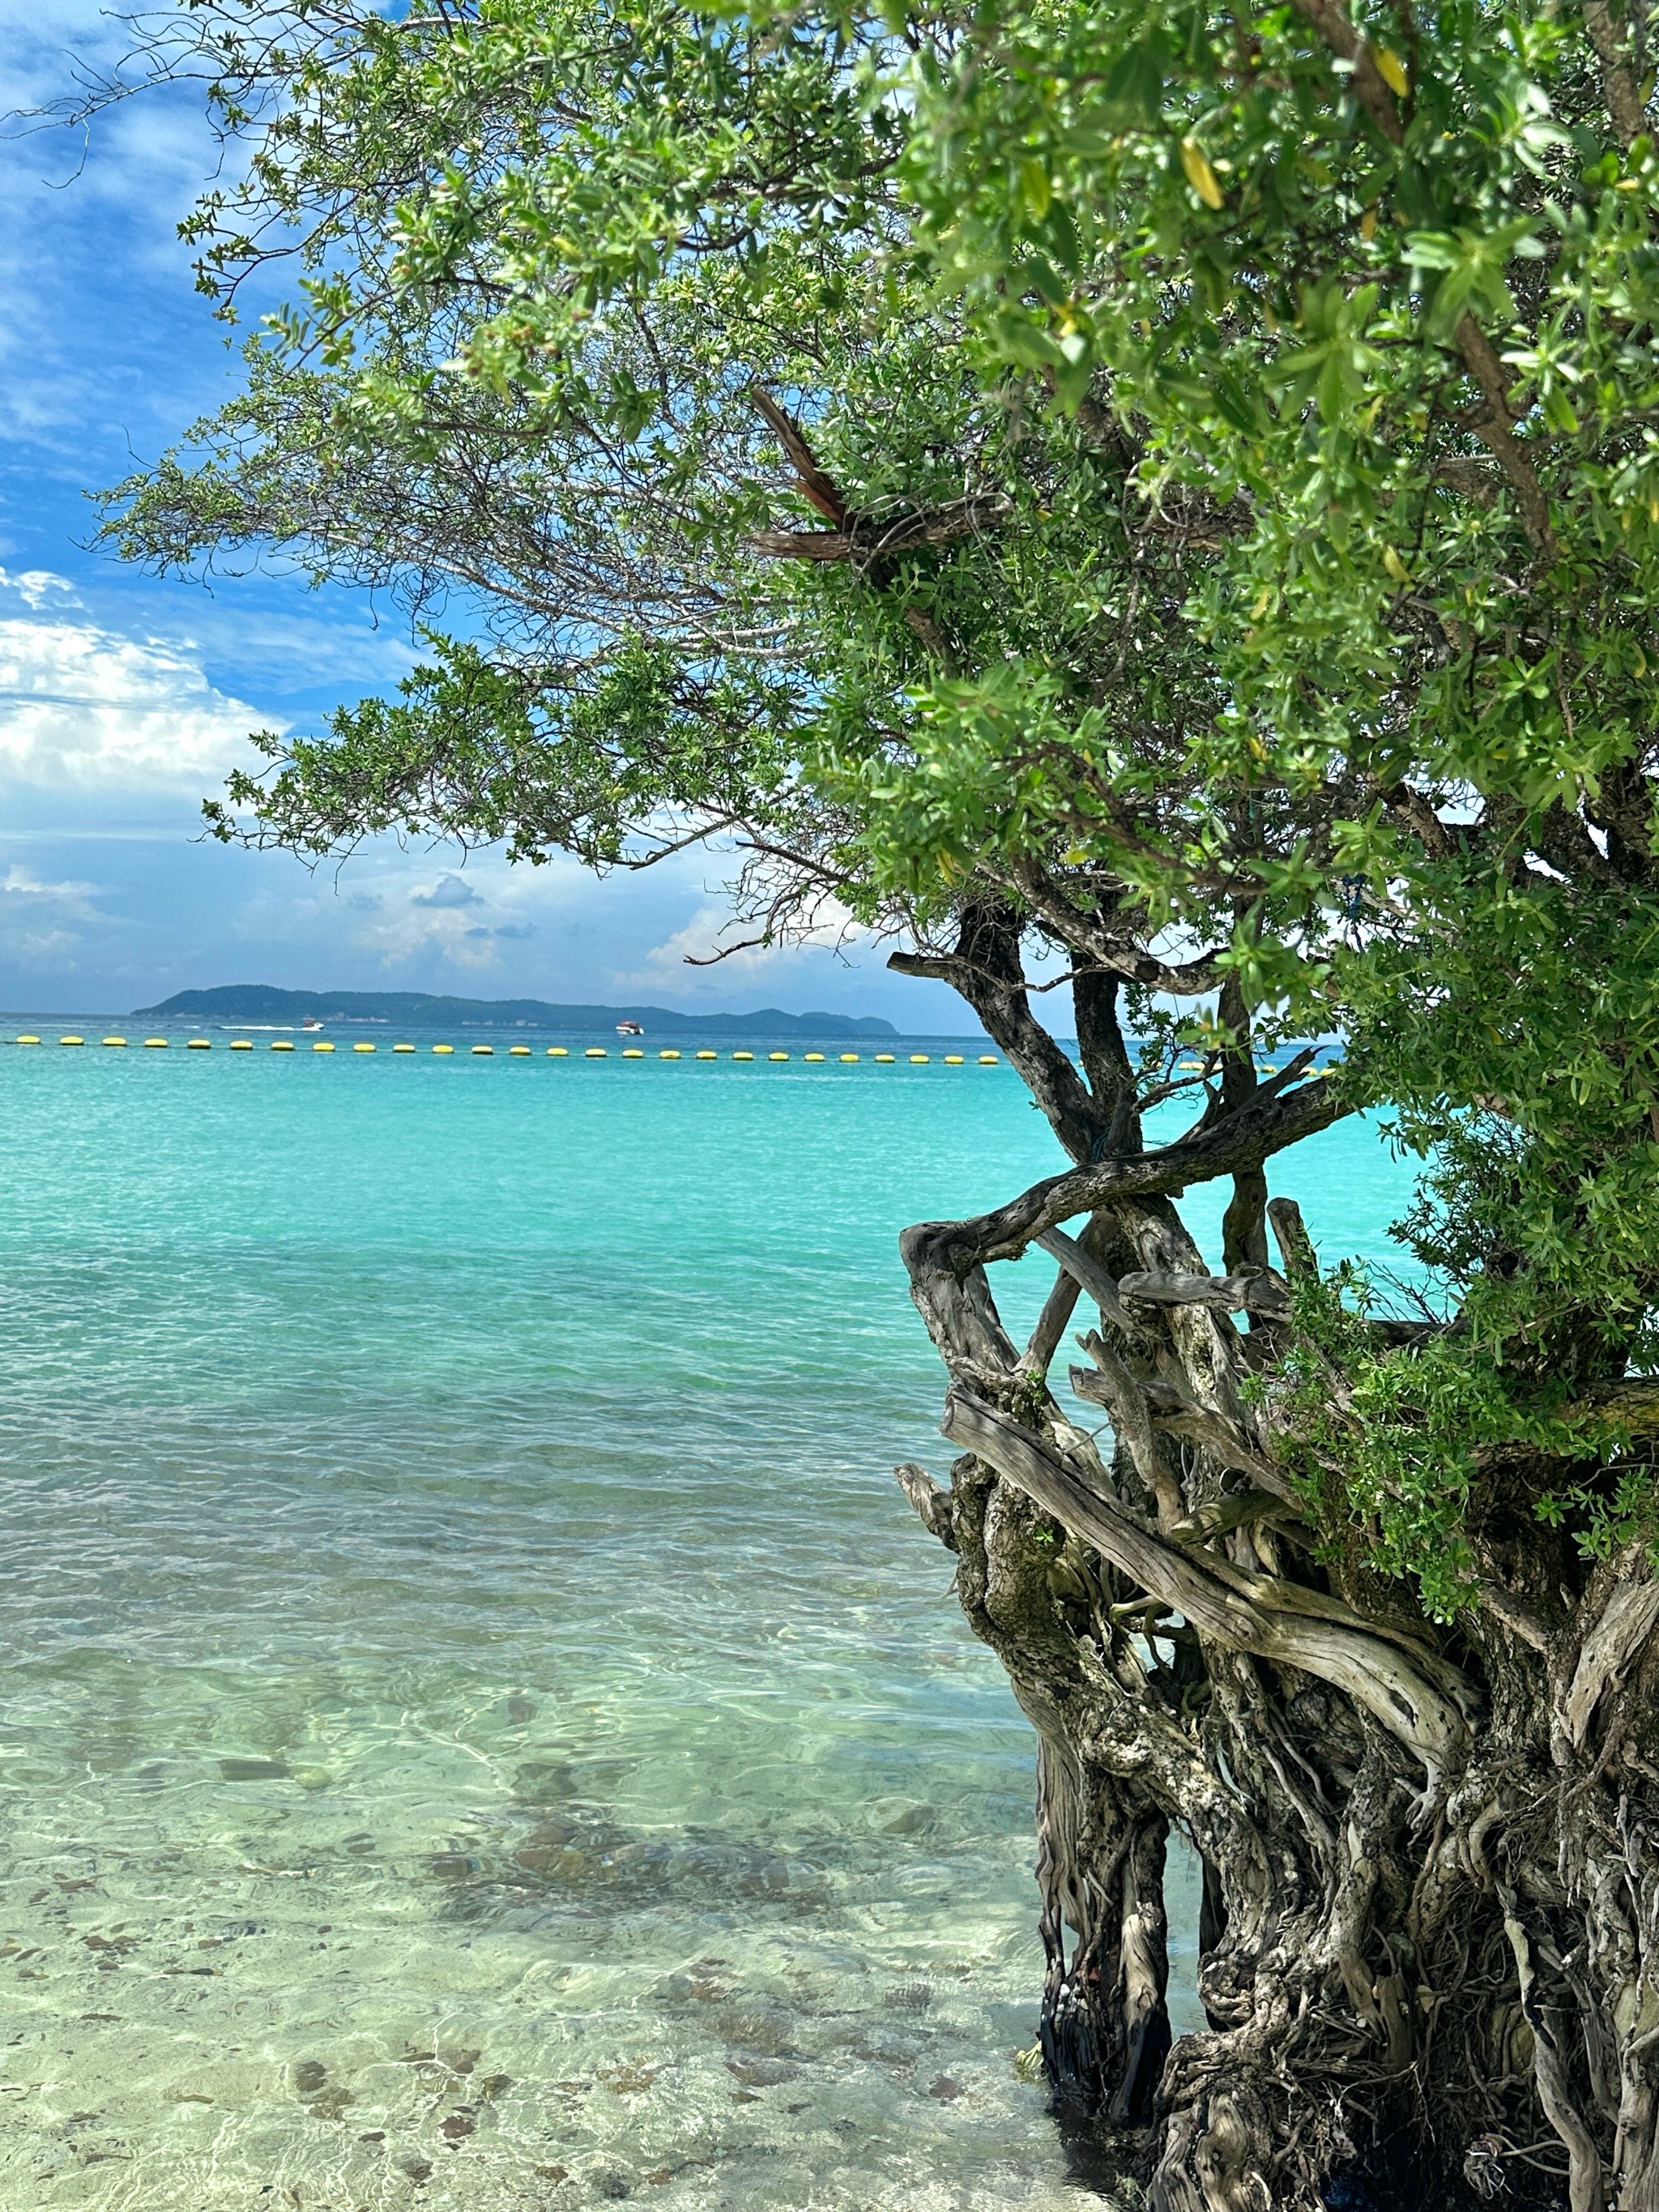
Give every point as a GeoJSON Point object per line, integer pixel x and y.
{"type": "Point", "coordinates": [931, 1504]}
{"type": "Point", "coordinates": [1093, 1277]}
{"type": "Point", "coordinates": [1250, 1290]}
{"type": "Point", "coordinates": [1608, 1652]}
{"type": "Point", "coordinates": [1243, 1139]}
{"type": "Point", "coordinates": [1251, 1613]}
{"type": "Point", "coordinates": [1052, 1323]}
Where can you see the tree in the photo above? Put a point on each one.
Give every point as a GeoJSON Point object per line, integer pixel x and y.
{"type": "Point", "coordinates": [1178, 489]}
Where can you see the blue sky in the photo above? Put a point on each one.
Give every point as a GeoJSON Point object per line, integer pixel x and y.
{"type": "Point", "coordinates": [124, 699]}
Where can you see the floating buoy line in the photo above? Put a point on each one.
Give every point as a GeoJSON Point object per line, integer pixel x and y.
{"type": "Point", "coordinates": [518, 1051]}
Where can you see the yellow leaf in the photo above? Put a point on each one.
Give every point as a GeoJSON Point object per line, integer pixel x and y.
{"type": "Point", "coordinates": [1368, 223]}
{"type": "Point", "coordinates": [1035, 188]}
{"type": "Point", "coordinates": [1200, 175]}
{"type": "Point", "coordinates": [1395, 566]}
{"type": "Point", "coordinates": [1263, 601]}
{"type": "Point", "coordinates": [1392, 70]}
{"type": "Point", "coordinates": [1641, 662]}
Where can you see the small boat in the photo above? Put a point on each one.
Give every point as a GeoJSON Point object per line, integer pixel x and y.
{"type": "Point", "coordinates": [629, 1029]}
{"type": "Point", "coordinates": [311, 1022]}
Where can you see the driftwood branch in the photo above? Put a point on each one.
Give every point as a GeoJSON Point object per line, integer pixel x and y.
{"type": "Point", "coordinates": [1243, 1139]}
{"type": "Point", "coordinates": [931, 1503]}
{"type": "Point", "coordinates": [1120, 1392]}
{"type": "Point", "coordinates": [1295, 1245]}
{"type": "Point", "coordinates": [1250, 1290]}
{"type": "Point", "coordinates": [1170, 1409]}
{"type": "Point", "coordinates": [1052, 1323]}
{"type": "Point", "coordinates": [1608, 1654]}
{"type": "Point", "coordinates": [1275, 1620]}
{"type": "Point", "coordinates": [1092, 1278]}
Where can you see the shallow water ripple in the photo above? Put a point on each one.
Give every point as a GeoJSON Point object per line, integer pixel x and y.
{"type": "Point", "coordinates": [479, 1727]}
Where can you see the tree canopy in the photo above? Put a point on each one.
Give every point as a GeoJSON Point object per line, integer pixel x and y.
{"type": "Point", "coordinates": [1175, 489]}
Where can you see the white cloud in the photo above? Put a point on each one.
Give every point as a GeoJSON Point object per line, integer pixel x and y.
{"type": "Point", "coordinates": [448, 891]}
{"type": "Point", "coordinates": [84, 708]}
{"type": "Point", "coordinates": [42, 922]}
{"type": "Point", "coordinates": [376, 912]}
{"type": "Point", "coordinates": [665, 967]}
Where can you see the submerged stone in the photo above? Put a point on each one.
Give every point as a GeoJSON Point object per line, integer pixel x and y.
{"type": "Point", "coordinates": [910, 1823]}
{"type": "Point", "coordinates": [543, 1781]}
{"type": "Point", "coordinates": [254, 1770]}
{"type": "Point", "coordinates": [761, 2073]}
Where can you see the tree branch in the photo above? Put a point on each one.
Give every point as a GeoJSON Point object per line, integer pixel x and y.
{"type": "Point", "coordinates": [1222, 1600]}
{"type": "Point", "coordinates": [1619, 85]}
{"type": "Point", "coordinates": [1243, 1139]}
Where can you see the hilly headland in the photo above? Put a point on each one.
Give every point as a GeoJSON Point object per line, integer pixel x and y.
{"type": "Point", "coordinates": [265, 1002]}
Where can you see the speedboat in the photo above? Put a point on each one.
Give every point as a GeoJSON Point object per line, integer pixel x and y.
{"type": "Point", "coordinates": [629, 1029]}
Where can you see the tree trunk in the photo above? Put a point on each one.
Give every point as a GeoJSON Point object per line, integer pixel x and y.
{"type": "Point", "coordinates": [1430, 1942]}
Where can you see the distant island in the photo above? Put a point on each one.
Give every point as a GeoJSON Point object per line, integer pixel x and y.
{"type": "Point", "coordinates": [264, 1002]}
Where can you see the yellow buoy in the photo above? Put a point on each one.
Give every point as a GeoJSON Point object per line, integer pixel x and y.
{"type": "Point", "coordinates": [668, 1055]}
{"type": "Point", "coordinates": [322, 1047]}
{"type": "Point", "coordinates": [443, 1048]}
{"type": "Point", "coordinates": [362, 1047]}
{"type": "Point", "coordinates": [989, 1060]}
{"type": "Point", "coordinates": [71, 1040]}
{"type": "Point", "coordinates": [28, 1040]}
{"type": "Point", "coordinates": [633, 1052]}
{"type": "Point", "coordinates": [884, 1059]}
{"type": "Point", "coordinates": [240, 1044]}
{"type": "Point", "coordinates": [519, 1051]}
{"type": "Point", "coordinates": [919, 1059]}
{"type": "Point", "coordinates": [814, 1055]}
{"type": "Point", "coordinates": [155, 1044]}
{"type": "Point", "coordinates": [743, 1056]}
{"type": "Point", "coordinates": [114, 1040]}
{"type": "Point", "coordinates": [558, 1052]}
{"type": "Point", "coordinates": [849, 1056]}
{"type": "Point", "coordinates": [779, 1055]}
{"type": "Point", "coordinates": [403, 1048]}
{"type": "Point", "coordinates": [201, 1044]}
{"type": "Point", "coordinates": [953, 1060]}
{"type": "Point", "coordinates": [708, 1055]}
{"type": "Point", "coordinates": [484, 1051]}
{"type": "Point", "coordinates": [596, 1052]}
{"type": "Point", "coordinates": [281, 1044]}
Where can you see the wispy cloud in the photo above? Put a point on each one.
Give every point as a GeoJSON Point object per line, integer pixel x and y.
{"type": "Point", "coordinates": [42, 922]}
{"type": "Point", "coordinates": [676, 965]}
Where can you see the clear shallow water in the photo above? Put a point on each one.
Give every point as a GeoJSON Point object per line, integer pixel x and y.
{"type": "Point", "coordinates": [479, 1726]}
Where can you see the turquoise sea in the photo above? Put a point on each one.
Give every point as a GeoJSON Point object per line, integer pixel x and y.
{"type": "Point", "coordinates": [479, 1726]}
